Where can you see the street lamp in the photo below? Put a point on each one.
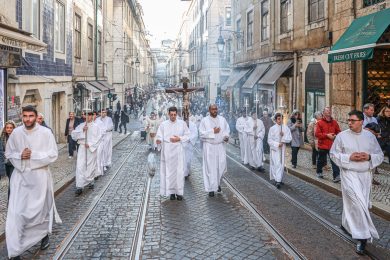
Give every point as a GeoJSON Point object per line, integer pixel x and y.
{"type": "Point", "coordinates": [221, 42]}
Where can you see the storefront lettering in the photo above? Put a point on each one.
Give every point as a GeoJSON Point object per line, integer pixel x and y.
{"type": "Point", "coordinates": [350, 56]}
{"type": "Point", "coordinates": [19, 44]}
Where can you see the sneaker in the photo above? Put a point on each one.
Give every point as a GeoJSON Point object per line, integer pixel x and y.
{"type": "Point", "coordinates": [337, 179]}
{"type": "Point", "coordinates": [319, 175]}
{"type": "Point", "coordinates": [70, 157]}
{"type": "Point", "coordinates": [105, 168]}
{"type": "Point", "coordinates": [45, 242]}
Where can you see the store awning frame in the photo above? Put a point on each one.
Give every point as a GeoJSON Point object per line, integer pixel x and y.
{"type": "Point", "coordinates": [234, 78]}
{"type": "Point", "coordinates": [256, 75]}
{"type": "Point", "coordinates": [361, 37]}
{"type": "Point", "coordinates": [89, 86]}
{"type": "Point", "coordinates": [275, 72]}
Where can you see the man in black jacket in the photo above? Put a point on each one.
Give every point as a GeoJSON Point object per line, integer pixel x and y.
{"type": "Point", "coordinates": [71, 123]}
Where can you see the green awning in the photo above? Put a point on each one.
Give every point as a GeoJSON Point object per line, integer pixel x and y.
{"type": "Point", "coordinates": [360, 39]}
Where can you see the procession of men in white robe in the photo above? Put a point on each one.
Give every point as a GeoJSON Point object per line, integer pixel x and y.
{"type": "Point", "coordinates": [189, 147]}
{"type": "Point", "coordinates": [241, 126]}
{"type": "Point", "coordinates": [255, 142]}
{"type": "Point", "coordinates": [107, 139]}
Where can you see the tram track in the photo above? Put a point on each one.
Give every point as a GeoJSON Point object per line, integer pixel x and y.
{"type": "Point", "coordinates": [67, 243]}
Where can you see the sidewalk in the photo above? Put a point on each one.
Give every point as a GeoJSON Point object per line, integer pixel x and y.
{"type": "Point", "coordinates": [63, 172]}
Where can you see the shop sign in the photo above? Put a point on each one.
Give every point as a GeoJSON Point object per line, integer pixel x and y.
{"type": "Point", "coordinates": [10, 57]}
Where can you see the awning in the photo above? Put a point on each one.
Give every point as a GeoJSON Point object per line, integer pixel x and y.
{"type": "Point", "coordinates": [106, 85]}
{"type": "Point", "coordinates": [234, 78]}
{"type": "Point", "coordinates": [88, 86]}
{"type": "Point", "coordinates": [274, 73]}
{"type": "Point", "coordinates": [16, 38]}
{"type": "Point", "coordinates": [359, 40]}
{"type": "Point", "coordinates": [256, 75]}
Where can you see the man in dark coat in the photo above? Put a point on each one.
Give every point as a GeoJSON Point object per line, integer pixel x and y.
{"type": "Point", "coordinates": [124, 120]}
{"type": "Point", "coordinates": [71, 123]}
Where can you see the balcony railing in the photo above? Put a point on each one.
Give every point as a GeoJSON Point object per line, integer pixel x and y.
{"type": "Point", "coordinates": [371, 2]}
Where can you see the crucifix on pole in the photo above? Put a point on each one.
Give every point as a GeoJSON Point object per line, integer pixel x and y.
{"type": "Point", "coordinates": [186, 95]}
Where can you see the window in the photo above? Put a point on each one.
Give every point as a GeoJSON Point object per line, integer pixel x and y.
{"type": "Point", "coordinates": [90, 42]}
{"type": "Point", "coordinates": [31, 17]}
{"type": "Point", "coordinates": [285, 14]}
{"type": "Point", "coordinates": [249, 28]}
{"type": "Point", "coordinates": [239, 39]}
{"type": "Point", "coordinates": [99, 47]}
{"type": "Point", "coordinates": [316, 10]}
{"type": "Point", "coordinates": [77, 36]}
{"type": "Point", "coordinates": [228, 16]}
{"type": "Point", "coordinates": [371, 2]}
{"type": "Point", "coordinates": [264, 20]}
{"type": "Point", "coordinates": [59, 27]}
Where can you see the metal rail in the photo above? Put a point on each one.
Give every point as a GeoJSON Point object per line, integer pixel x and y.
{"type": "Point", "coordinates": [68, 241]}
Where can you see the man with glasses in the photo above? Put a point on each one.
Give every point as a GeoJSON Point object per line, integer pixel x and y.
{"type": "Point", "coordinates": [357, 152]}
{"type": "Point", "coordinates": [326, 131]}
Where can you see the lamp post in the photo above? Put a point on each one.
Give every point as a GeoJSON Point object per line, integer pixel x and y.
{"type": "Point", "coordinates": [137, 63]}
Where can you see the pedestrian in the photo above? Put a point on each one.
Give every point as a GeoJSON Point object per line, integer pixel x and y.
{"type": "Point", "coordinates": [117, 117]}
{"type": "Point", "coordinates": [41, 121]}
{"type": "Point", "coordinates": [124, 121]}
{"type": "Point", "coordinates": [326, 130]}
{"type": "Point", "coordinates": [278, 136]}
{"type": "Point", "coordinates": [268, 123]}
{"type": "Point", "coordinates": [214, 132]}
{"type": "Point", "coordinates": [171, 135]}
{"type": "Point", "coordinates": [313, 141]}
{"type": "Point", "coordinates": [9, 127]}
{"type": "Point", "coordinates": [189, 148]}
{"type": "Point", "coordinates": [71, 123]}
{"type": "Point", "coordinates": [256, 137]}
{"type": "Point", "coordinates": [118, 106]}
{"type": "Point", "coordinates": [296, 129]}
{"type": "Point", "coordinates": [88, 135]}
{"type": "Point", "coordinates": [357, 152]}
{"type": "Point", "coordinates": [31, 148]}
{"type": "Point", "coordinates": [240, 127]}
{"type": "Point", "coordinates": [106, 139]}
{"type": "Point", "coordinates": [384, 126]}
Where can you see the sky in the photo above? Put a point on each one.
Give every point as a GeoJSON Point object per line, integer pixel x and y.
{"type": "Point", "coordinates": [162, 19]}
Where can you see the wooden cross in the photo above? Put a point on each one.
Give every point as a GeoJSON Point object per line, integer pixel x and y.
{"type": "Point", "coordinates": [186, 97]}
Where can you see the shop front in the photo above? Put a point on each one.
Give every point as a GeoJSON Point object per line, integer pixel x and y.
{"type": "Point", "coordinates": [314, 90]}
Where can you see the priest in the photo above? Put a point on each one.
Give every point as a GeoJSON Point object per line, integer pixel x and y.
{"type": "Point", "coordinates": [31, 148]}
{"type": "Point", "coordinates": [100, 150]}
{"type": "Point", "coordinates": [278, 136]}
{"type": "Point", "coordinates": [171, 135]}
{"type": "Point", "coordinates": [88, 135]}
{"type": "Point", "coordinates": [214, 132]}
{"type": "Point", "coordinates": [255, 140]}
{"type": "Point", "coordinates": [357, 152]}
{"type": "Point", "coordinates": [240, 126]}
{"type": "Point", "coordinates": [189, 148]}
{"type": "Point", "coordinates": [107, 127]}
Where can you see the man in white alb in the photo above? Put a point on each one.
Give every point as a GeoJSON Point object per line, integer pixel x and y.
{"type": "Point", "coordinates": [189, 147]}
{"type": "Point", "coordinates": [106, 121]}
{"type": "Point", "coordinates": [240, 126]}
{"type": "Point", "coordinates": [357, 152]}
{"type": "Point", "coordinates": [171, 135]}
{"type": "Point", "coordinates": [214, 132]}
{"type": "Point", "coordinates": [31, 148]}
{"type": "Point", "coordinates": [255, 138]}
{"type": "Point", "coordinates": [278, 136]}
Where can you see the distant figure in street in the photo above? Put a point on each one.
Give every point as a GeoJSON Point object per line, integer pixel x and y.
{"type": "Point", "coordinates": [214, 132]}
{"type": "Point", "coordinates": [171, 135]}
{"type": "Point", "coordinates": [189, 148]}
{"type": "Point", "coordinates": [151, 131]}
{"type": "Point", "coordinates": [357, 152]}
{"type": "Point", "coordinates": [9, 127]}
{"type": "Point", "coordinates": [256, 137]}
{"type": "Point", "coordinates": [326, 130]}
{"type": "Point", "coordinates": [240, 126]}
{"type": "Point", "coordinates": [124, 120]}
{"type": "Point", "coordinates": [31, 148]}
{"type": "Point", "coordinates": [118, 106]}
{"type": "Point", "coordinates": [117, 117]}
{"type": "Point", "coordinates": [268, 123]}
{"type": "Point", "coordinates": [88, 136]}
{"type": "Point", "coordinates": [278, 136]}
{"type": "Point", "coordinates": [296, 129]}
{"type": "Point", "coordinates": [71, 123]}
{"type": "Point", "coordinates": [107, 139]}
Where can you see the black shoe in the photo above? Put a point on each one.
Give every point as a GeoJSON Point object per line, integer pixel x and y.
{"type": "Point", "coordinates": [252, 168]}
{"type": "Point", "coordinates": [294, 166]}
{"type": "Point", "coordinates": [96, 178]}
{"type": "Point", "coordinates": [277, 185]}
{"type": "Point", "coordinates": [344, 230]}
{"type": "Point", "coordinates": [361, 246]}
{"type": "Point", "coordinates": [78, 192]}
{"type": "Point", "coordinates": [91, 186]}
{"type": "Point", "coordinates": [211, 194]}
{"type": "Point", "coordinates": [179, 197]}
{"type": "Point", "coordinates": [45, 242]}
{"type": "Point", "coordinates": [16, 258]}
{"type": "Point", "coordinates": [186, 178]}
{"type": "Point", "coordinates": [261, 169]}
{"type": "Point", "coordinates": [219, 189]}
{"type": "Point", "coordinates": [173, 197]}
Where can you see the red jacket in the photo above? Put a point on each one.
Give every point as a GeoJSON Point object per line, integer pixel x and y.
{"type": "Point", "coordinates": [323, 128]}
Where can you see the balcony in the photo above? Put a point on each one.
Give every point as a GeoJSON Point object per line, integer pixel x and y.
{"type": "Point", "coordinates": [367, 3]}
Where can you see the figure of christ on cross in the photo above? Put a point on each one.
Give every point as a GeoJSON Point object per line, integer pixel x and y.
{"type": "Point", "coordinates": [186, 96]}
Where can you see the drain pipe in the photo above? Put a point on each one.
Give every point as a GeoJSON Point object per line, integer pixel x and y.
{"type": "Point", "coordinates": [295, 89]}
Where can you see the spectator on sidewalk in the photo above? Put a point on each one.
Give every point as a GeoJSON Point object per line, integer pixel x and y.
{"type": "Point", "coordinates": [41, 121]}
{"type": "Point", "coordinates": [71, 123]}
{"type": "Point", "coordinates": [313, 140]}
{"type": "Point", "coordinates": [83, 117]}
{"type": "Point", "coordinates": [296, 129]}
{"type": "Point", "coordinates": [9, 127]}
{"type": "Point", "coordinates": [124, 120]}
{"type": "Point", "coordinates": [357, 153]}
{"type": "Point", "coordinates": [384, 125]}
{"type": "Point", "coordinates": [268, 123]}
{"type": "Point", "coordinates": [116, 118]}
{"type": "Point", "coordinates": [326, 131]}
